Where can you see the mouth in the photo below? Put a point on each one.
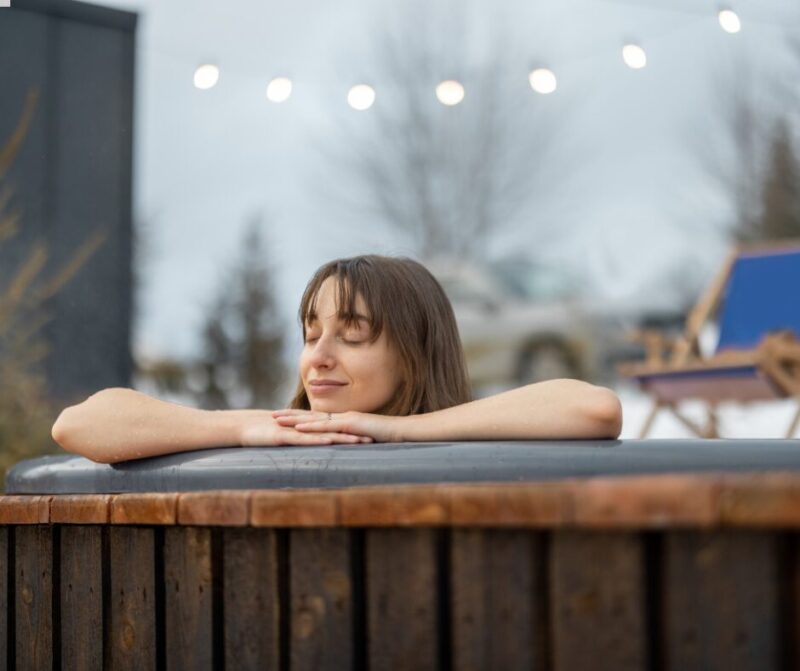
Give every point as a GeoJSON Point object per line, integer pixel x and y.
{"type": "Point", "coordinates": [324, 386]}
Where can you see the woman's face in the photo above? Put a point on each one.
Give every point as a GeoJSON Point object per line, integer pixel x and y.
{"type": "Point", "coordinates": [340, 368]}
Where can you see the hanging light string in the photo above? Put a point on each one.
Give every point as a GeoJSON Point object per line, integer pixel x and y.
{"type": "Point", "coordinates": [543, 80]}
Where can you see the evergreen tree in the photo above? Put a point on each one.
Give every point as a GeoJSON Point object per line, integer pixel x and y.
{"type": "Point", "coordinates": [780, 190]}
{"type": "Point", "coordinates": [242, 335]}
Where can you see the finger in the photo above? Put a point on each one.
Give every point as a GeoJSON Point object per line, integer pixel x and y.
{"type": "Point", "coordinates": [291, 437]}
{"type": "Point", "coordinates": [325, 425]}
{"type": "Point", "coordinates": [292, 420]}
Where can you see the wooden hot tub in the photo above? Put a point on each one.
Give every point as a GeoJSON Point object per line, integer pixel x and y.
{"type": "Point", "coordinates": [618, 555]}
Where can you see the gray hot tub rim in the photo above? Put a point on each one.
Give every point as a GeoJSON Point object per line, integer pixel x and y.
{"type": "Point", "coordinates": [397, 463]}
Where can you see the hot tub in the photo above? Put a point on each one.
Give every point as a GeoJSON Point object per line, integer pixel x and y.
{"type": "Point", "coordinates": [664, 554]}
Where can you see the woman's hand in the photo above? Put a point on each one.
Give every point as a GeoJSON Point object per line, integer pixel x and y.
{"type": "Point", "coordinates": [261, 428]}
{"type": "Point", "coordinates": [380, 428]}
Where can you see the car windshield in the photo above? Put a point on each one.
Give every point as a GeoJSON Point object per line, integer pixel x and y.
{"type": "Point", "coordinates": [536, 282]}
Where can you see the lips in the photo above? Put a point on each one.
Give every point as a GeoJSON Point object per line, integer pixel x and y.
{"type": "Point", "coordinates": [320, 387]}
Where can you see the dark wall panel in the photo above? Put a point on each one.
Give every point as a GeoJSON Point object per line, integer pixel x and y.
{"type": "Point", "coordinates": [24, 53]}
{"type": "Point", "coordinates": [92, 313]}
{"type": "Point", "coordinates": [73, 177]}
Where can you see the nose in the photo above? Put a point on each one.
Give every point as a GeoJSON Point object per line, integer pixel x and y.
{"type": "Point", "coordinates": [322, 356]}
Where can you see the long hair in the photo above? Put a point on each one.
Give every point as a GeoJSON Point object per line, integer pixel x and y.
{"type": "Point", "coordinates": [404, 299]}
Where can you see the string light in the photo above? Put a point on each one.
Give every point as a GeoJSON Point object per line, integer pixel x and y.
{"type": "Point", "coordinates": [542, 80]}
{"type": "Point", "coordinates": [450, 92]}
{"type": "Point", "coordinates": [361, 97]}
{"type": "Point", "coordinates": [206, 76]}
{"type": "Point", "coordinates": [729, 20]}
{"type": "Point", "coordinates": [634, 56]}
{"type": "Point", "coordinates": [279, 90]}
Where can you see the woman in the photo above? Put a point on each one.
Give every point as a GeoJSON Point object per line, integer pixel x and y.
{"type": "Point", "coordinates": [381, 361]}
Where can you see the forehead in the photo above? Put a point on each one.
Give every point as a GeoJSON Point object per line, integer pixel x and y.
{"type": "Point", "coordinates": [333, 300]}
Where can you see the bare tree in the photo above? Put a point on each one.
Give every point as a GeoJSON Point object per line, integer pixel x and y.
{"type": "Point", "coordinates": [448, 178]}
{"type": "Point", "coordinates": [755, 161]}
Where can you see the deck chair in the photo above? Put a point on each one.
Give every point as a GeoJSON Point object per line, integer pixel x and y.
{"type": "Point", "coordinates": [756, 299]}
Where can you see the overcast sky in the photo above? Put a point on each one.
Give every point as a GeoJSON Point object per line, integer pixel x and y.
{"type": "Point", "coordinates": [636, 204]}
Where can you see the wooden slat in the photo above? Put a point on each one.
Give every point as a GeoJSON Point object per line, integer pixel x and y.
{"type": "Point", "coordinates": [294, 508]}
{"type": "Point", "coordinates": [402, 599]}
{"type": "Point", "coordinates": [498, 600]}
{"type": "Point", "coordinates": [131, 639]}
{"type": "Point", "coordinates": [4, 601]}
{"type": "Point", "coordinates": [81, 597]}
{"type": "Point", "coordinates": [648, 501]}
{"type": "Point", "coordinates": [224, 508]}
{"type": "Point", "coordinates": [761, 500]}
{"type": "Point", "coordinates": [540, 504]}
{"type": "Point", "coordinates": [188, 598]}
{"type": "Point", "coordinates": [789, 586]}
{"type": "Point", "coordinates": [34, 585]}
{"type": "Point", "coordinates": [398, 505]}
{"type": "Point", "coordinates": [720, 597]}
{"type": "Point", "coordinates": [24, 509]}
{"type": "Point", "coordinates": [598, 601]}
{"type": "Point", "coordinates": [250, 599]}
{"type": "Point", "coordinates": [146, 508]}
{"type": "Point", "coordinates": [80, 509]}
{"type": "Point", "coordinates": [321, 599]}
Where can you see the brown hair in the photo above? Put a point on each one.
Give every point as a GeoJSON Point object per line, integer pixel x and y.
{"type": "Point", "coordinates": [404, 298]}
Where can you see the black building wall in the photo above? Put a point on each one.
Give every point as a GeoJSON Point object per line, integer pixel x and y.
{"type": "Point", "coordinates": [73, 176]}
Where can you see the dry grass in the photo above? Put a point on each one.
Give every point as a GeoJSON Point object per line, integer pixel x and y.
{"type": "Point", "coordinates": [26, 413]}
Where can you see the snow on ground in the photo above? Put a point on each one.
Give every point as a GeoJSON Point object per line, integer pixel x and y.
{"type": "Point", "coordinates": [768, 419]}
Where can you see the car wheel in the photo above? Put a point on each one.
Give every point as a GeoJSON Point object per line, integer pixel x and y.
{"type": "Point", "coordinates": [547, 361]}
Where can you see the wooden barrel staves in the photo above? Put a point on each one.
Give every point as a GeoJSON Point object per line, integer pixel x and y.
{"type": "Point", "coordinates": [686, 571]}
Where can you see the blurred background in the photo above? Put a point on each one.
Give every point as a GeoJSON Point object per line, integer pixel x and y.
{"type": "Point", "coordinates": [172, 173]}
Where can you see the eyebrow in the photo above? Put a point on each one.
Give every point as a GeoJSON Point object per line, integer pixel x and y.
{"type": "Point", "coordinates": [352, 317]}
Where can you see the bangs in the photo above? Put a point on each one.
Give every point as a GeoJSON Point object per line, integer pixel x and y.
{"type": "Point", "coordinates": [351, 283]}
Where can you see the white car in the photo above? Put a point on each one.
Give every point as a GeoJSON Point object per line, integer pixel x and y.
{"type": "Point", "coordinates": [522, 322]}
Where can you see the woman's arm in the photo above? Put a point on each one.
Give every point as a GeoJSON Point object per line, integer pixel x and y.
{"type": "Point", "coordinates": [555, 409]}
{"type": "Point", "coordinates": [118, 424]}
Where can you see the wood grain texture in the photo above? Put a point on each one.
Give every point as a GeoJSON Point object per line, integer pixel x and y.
{"type": "Point", "coordinates": [131, 637]}
{"type": "Point", "coordinates": [402, 599]}
{"type": "Point", "coordinates": [224, 508]}
{"type": "Point", "coordinates": [535, 504]}
{"type": "Point", "coordinates": [720, 596]}
{"type": "Point", "coordinates": [146, 508]}
{"type": "Point", "coordinates": [597, 601]}
{"type": "Point", "coordinates": [321, 599]}
{"type": "Point", "coordinates": [251, 599]}
{"type": "Point", "coordinates": [80, 509]}
{"type": "Point", "coordinates": [648, 501]}
{"type": "Point", "coordinates": [398, 505]}
{"type": "Point", "coordinates": [4, 597]}
{"type": "Point", "coordinates": [81, 597]}
{"type": "Point", "coordinates": [499, 600]}
{"type": "Point", "coordinates": [294, 508]}
{"type": "Point", "coordinates": [34, 597]}
{"type": "Point", "coordinates": [761, 500]}
{"type": "Point", "coordinates": [188, 598]}
{"type": "Point", "coordinates": [24, 509]}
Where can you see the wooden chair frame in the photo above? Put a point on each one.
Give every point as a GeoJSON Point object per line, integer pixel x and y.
{"type": "Point", "coordinates": [777, 356]}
